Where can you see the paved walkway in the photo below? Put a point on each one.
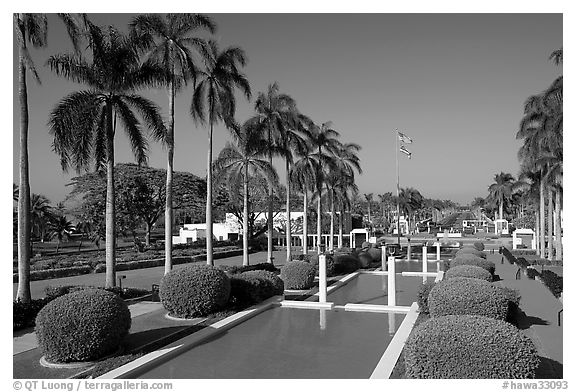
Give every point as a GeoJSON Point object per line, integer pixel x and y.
{"type": "Point", "coordinates": [539, 320]}
{"type": "Point", "coordinates": [140, 278]}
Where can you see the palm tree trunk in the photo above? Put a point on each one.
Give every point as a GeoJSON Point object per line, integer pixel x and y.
{"type": "Point", "coordinates": [331, 220]}
{"type": "Point", "coordinates": [23, 293]}
{"type": "Point", "coordinates": [550, 223]}
{"type": "Point", "coordinates": [169, 173]}
{"type": "Point", "coordinates": [319, 223]}
{"type": "Point", "coordinates": [148, 232]}
{"type": "Point", "coordinates": [501, 209]}
{"type": "Point", "coordinates": [110, 204]}
{"type": "Point", "coordinates": [542, 224]}
{"type": "Point", "coordinates": [288, 221]}
{"type": "Point", "coordinates": [245, 256]}
{"type": "Point", "coordinates": [209, 256]}
{"type": "Point", "coordinates": [537, 227]}
{"type": "Point", "coordinates": [341, 227]}
{"type": "Point", "coordinates": [558, 225]}
{"type": "Point", "coordinates": [270, 208]}
{"type": "Point", "coordinates": [305, 223]}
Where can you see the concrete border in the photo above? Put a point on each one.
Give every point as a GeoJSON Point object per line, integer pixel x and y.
{"type": "Point", "coordinates": [376, 308]}
{"type": "Point", "coordinates": [387, 362]}
{"type": "Point", "coordinates": [156, 357]}
{"type": "Point", "coordinates": [439, 277]}
{"type": "Point", "coordinates": [409, 273]}
{"type": "Point", "coordinates": [307, 305]}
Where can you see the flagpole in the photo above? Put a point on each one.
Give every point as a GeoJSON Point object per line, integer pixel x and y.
{"type": "Point", "coordinates": [397, 191]}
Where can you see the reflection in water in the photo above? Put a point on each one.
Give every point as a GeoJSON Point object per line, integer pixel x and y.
{"type": "Point", "coordinates": [384, 283]}
{"type": "Point", "coordinates": [322, 319]}
{"type": "Point", "coordinates": [391, 323]}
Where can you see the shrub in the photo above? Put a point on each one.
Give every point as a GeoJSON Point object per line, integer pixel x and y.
{"type": "Point", "coordinates": [235, 269]}
{"type": "Point", "coordinates": [423, 293]}
{"type": "Point", "coordinates": [376, 254]}
{"type": "Point", "coordinates": [24, 314]}
{"type": "Point", "coordinates": [473, 260]}
{"type": "Point", "coordinates": [468, 271]}
{"type": "Point", "coordinates": [553, 282]}
{"type": "Point", "coordinates": [513, 297]}
{"type": "Point", "coordinates": [467, 296]}
{"type": "Point", "coordinates": [471, 251]}
{"type": "Point", "coordinates": [479, 347]}
{"type": "Point", "coordinates": [366, 245]}
{"type": "Point", "coordinates": [100, 267]}
{"type": "Point", "coordinates": [298, 275]}
{"type": "Point", "coordinates": [479, 245]}
{"type": "Point", "coordinates": [330, 266]}
{"type": "Point", "coordinates": [194, 290]}
{"type": "Point", "coordinates": [273, 280]}
{"type": "Point", "coordinates": [365, 259]}
{"type": "Point", "coordinates": [82, 326]}
{"type": "Point", "coordinates": [302, 257]}
{"type": "Point", "coordinates": [346, 263]}
{"type": "Point", "coordinates": [532, 273]}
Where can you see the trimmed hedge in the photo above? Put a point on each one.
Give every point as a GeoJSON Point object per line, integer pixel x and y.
{"type": "Point", "coordinates": [235, 269]}
{"type": "Point", "coordinates": [479, 347]}
{"type": "Point", "coordinates": [468, 259]}
{"type": "Point", "coordinates": [376, 254]}
{"type": "Point", "coordinates": [468, 271]}
{"type": "Point", "coordinates": [346, 263]}
{"type": "Point", "coordinates": [467, 296]}
{"type": "Point", "coordinates": [251, 287]}
{"type": "Point", "coordinates": [298, 275]}
{"type": "Point", "coordinates": [124, 293]}
{"type": "Point", "coordinates": [273, 280]}
{"type": "Point", "coordinates": [365, 259]}
{"type": "Point", "coordinates": [24, 314]}
{"type": "Point", "coordinates": [423, 293]}
{"type": "Point", "coordinates": [470, 251]}
{"type": "Point", "coordinates": [554, 282]}
{"type": "Point", "coordinates": [82, 326]}
{"type": "Point", "coordinates": [194, 290]}
{"type": "Point", "coordinates": [479, 245]}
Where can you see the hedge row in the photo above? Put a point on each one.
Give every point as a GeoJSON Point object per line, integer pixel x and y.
{"type": "Point", "coordinates": [121, 266]}
{"type": "Point", "coordinates": [251, 287]}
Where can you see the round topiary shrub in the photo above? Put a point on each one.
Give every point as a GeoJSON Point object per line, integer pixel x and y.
{"type": "Point", "coordinates": [365, 259]}
{"type": "Point", "coordinates": [423, 293]}
{"type": "Point", "coordinates": [272, 280]}
{"type": "Point", "coordinates": [479, 347]}
{"type": "Point", "coordinates": [366, 245]}
{"type": "Point", "coordinates": [81, 326]}
{"type": "Point", "coordinates": [298, 275]}
{"type": "Point", "coordinates": [346, 263]}
{"type": "Point", "coordinates": [194, 290]}
{"type": "Point", "coordinates": [479, 245]}
{"type": "Point", "coordinates": [330, 269]}
{"type": "Point", "coordinates": [376, 254]}
{"type": "Point", "coordinates": [467, 296]}
{"type": "Point", "coordinates": [468, 259]}
{"type": "Point", "coordinates": [471, 251]}
{"type": "Point", "coordinates": [468, 271]}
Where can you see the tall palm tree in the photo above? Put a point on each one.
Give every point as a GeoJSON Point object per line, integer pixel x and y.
{"type": "Point", "coordinates": [303, 176]}
{"type": "Point", "coordinates": [343, 194]}
{"type": "Point", "coordinates": [84, 122]}
{"type": "Point", "coordinates": [292, 142]}
{"type": "Point", "coordinates": [238, 162]}
{"type": "Point", "coordinates": [40, 215]}
{"type": "Point", "coordinates": [325, 142]}
{"type": "Point", "coordinates": [410, 200]}
{"type": "Point", "coordinates": [501, 190]}
{"type": "Point", "coordinates": [29, 29]}
{"type": "Point", "coordinates": [214, 101]}
{"type": "Point", "coordinates": [369, 197]}
{"type": "Point", "coordinates": [277, 111]}
{"type": "Point", "coordinates": [172, 42]}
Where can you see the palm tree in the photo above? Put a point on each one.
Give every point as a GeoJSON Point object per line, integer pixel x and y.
{"type": "Point", "coordinates": [324, 140]}
{"type": "Point", "coordinates": [84, 122]}
{"type": "Point", "coordinates": [61, 228]}
{"type": "Point", "coordinates": [501, 190]}
{"type": "Point", "coordinates": [303, 176]}
{"type": "Point", "coordinates": [292, 142]}
{"type": "Point", "coordinates": [83, 227]}
{"type": "Point", "coordinates": [214, 98]}
{"type": "Point", "coordinates": [171, 42]}
{"type": "Point", "coordinates": [40, 215]}
{"type": "Point", "coordinates": [276, 111]}
{"type": "Point", "coordinates": [410, 200]}
{"type": "Point", "coordinates": [29, 29]}
{"type": "Point", "coordinates": [238, 162]}
{"type": "Point", "coordinates": [369, 197]}
{"type": "Point", "coordinates": [344, 192]}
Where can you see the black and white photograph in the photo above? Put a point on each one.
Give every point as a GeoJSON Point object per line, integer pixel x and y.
{"type": "Point", "coordinates": [251, 194]}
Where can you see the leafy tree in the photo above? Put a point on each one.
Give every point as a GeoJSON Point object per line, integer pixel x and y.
{"type": "Point", "coordinates": [214, 101]}
{"type": "Point", "coordinates": [84, 122]}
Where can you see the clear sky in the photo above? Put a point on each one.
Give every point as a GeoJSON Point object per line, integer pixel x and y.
{"type": "Point", "coordinates": [455, 83]}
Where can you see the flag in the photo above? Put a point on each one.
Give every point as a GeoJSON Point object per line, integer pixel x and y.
{"type": "Point", "coordinates": [403, 138]}
{"type": "Point", "coordinates": [405, 151]}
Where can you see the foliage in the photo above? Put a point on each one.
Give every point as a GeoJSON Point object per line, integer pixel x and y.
{"type": "Point", "coordinates": [365, 259]}
{"type": "Point", "coordinates": [471, 251]}
{"type": "Point", "coordinates": [298, 275]}
{"type": "Point", "coordinates": [194, 290]}
{"type": "Point", "coordinates": [468, 259]}
{"type": "Point", "coordinates": [252, 287]}
{"type": "Point", "coordinates": [82, 326]}
{"type": "Point", "coordinates": [238, 269]}
{"type": "Point", "coordinates": [423, 293]}
{"type": "Point", "coordinates": [479, 246]}
{"type": "Point", "coordinates": [276, 282]}
{"type": "Point", "coordinates": [24, 313]}
{"type": "Point", "coordinates": [554, 282]}
{"type": "Point", "coordinates": [479, 347]}
{"type": "Point", "coordinates": [346, 263]}
{"type": "Point", "coordinates": [124, 292]}
{"type": "Point", "coordinates": [467, 296]}
{"type": "Point", "coordinates": [468, 271]}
